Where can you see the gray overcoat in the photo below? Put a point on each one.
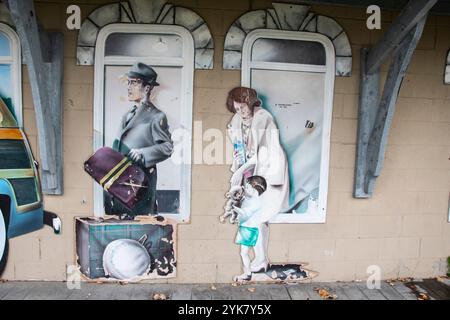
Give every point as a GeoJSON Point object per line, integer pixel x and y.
{"type": "Point", "coordinates": [148, 132]}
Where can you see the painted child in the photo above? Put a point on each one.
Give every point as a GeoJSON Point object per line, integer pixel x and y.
{"type": "Point", "coordinates": [250, 222]}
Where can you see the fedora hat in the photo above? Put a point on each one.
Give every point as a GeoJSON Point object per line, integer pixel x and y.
{"type": "Point", "coordinates": [144, 72]}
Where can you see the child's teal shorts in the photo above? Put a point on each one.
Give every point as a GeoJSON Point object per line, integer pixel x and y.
{"type": "Point", "coordinates": [247, 236]}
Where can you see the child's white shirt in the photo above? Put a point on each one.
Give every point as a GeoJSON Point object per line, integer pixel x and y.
{"type": "Point", "coordinates": [252, 209]}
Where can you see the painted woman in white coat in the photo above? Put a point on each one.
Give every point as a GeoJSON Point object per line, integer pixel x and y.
{"type": "Point", "coordinates": [257, 151]}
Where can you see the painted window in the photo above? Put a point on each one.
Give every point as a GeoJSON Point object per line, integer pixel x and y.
{"type": "Point", "coordinates": [144, 45]}
{"type": "Point", "coordinates": [10, 71]}
{"type": "Point", "coordinates": [14, 155]}
{"type": "Point", "coordinates": [169, 50]}
{"type": "Point", "coordinates": [293, 73]}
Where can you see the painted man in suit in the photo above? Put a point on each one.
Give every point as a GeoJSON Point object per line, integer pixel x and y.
{"type": "Point", "coordinates": [144, 137]}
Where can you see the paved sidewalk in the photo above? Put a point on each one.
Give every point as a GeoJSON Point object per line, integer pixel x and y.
{"type": "Point", "coordinates": [412, 290]}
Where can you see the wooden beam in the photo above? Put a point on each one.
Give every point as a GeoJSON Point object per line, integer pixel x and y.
{"type": "Point", "coordinates": [414, 12]}
{"type": "Point", "coordinates": [368, 106]}
{"type": "Point", "coordinates": [43, 53]}
{"type": "Point", "coordinates": [397, 72]}
{"type": "Point", "coordinates": [442, 7]}
{"type": "Point", "coordinates": [375, 118]}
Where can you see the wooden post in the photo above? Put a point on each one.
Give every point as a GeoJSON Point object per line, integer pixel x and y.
{"type": "Point", "coordinates": [375, 118]}
{"type": "Point", "coordinates": [43, 53]}
{"type": "Point", "coordinates": [368, 105]}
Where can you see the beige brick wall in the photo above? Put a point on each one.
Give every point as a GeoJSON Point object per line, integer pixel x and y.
{"type": "Point", "coordinates": [403, 228]}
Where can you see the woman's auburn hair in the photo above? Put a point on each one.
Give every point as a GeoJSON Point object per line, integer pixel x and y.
{"type": "Point", "coordinates": [243, 95]}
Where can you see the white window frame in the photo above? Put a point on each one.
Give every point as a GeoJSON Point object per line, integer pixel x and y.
{"type": "Point", "coordinates": [186, 62]}
{"type": "Point", "coordinates": [15, 61]}
{"type": "Point", "coordinates": [329, 70]}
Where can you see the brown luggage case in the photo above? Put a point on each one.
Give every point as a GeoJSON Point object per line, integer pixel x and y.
{"type": "Point", "coordinates": [118, 176]}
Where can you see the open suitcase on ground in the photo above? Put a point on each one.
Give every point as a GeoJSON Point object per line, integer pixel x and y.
{"type": "Point", "coordinates": [108, 249]}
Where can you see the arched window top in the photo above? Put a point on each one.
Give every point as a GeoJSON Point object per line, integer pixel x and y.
{"type": "Point", "coordinates": [170, 51]}
{"type": "Point", "coordinates": [281, 49]}
{"type": "Point", "coordinates": [10, 71]}
{"type": "Point", "coordinates": [156, 44]}
{"type": "Point", "coordinates": [143, 45]}
{"type": "Point", "coordinates": [5, 47]}
{"type": "Point", "coordinates": [287, 17]}
{"type": "Point", "coordinates": [141, 12]}
{"type": "Point", "coordinates": [293, 73]}
{"type": "Point", "coordinates": [298, 51]}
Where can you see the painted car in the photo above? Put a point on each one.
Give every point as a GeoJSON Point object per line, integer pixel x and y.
{"type": "Point", "coordinates": [21, 206]}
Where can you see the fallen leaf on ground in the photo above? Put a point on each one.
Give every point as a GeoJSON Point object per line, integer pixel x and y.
{"type": "Point", "coordinates": [213, 288]}
{"type": "Point", "coordinates": [159, 296]}
{"type": "Point", "coordinates": [252, 290]}
{"type": "Point", "coordinates": [390, 282]}
{"type": "Point", "coordinates": [400, 279]}
{"type": "Point", "coordinates": [324, 294]}
{"type": "Point", "coordinates": [235, 284]}
{"type": "Point", "coordinates": [423, 296]}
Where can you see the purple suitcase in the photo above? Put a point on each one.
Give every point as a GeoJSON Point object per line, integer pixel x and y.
{"type": "Point", "coordinates": [118, 176]}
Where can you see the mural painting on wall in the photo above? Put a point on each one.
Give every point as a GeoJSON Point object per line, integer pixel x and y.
{"type": "Point", "coordinates": [281, 128]}
{"type": "Point", "coordinates": [145, 52]}
{"type": "Point", "coordinates": [259, 187]}
{"type": "Point", "coordinates": [126, 168]}
{"type": "Point", "coordinates": [143, 139]}
{"type": "Point", "coordinates": [123, 250]}
{"type": "Point", "coordinates": [21, 202]}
